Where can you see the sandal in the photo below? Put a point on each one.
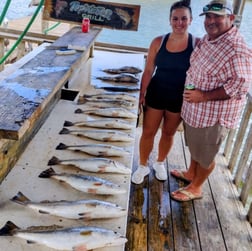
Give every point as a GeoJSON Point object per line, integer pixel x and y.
{"type": "Point", "coordinates": [179, 175]}
{"type": "Point", "coordinates": [186, 195]}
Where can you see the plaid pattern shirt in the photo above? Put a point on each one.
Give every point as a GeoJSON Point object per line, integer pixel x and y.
{"type": "Point", "coordinates": [225, 61]}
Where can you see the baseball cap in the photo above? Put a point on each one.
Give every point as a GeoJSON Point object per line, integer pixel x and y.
{"type": "Point", "coordinates": [218, 7]}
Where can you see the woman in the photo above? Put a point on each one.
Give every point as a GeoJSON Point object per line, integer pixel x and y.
{"type": "Point", "coordinates": [162, 87]}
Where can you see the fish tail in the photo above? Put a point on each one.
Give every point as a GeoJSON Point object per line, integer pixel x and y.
{"type": "Point", "coordinates": [68, 123]}
{"type": "Point", "coordinates": [64, 131]}
{"type": "Point", "coordinates": [61, 146]}
{"type": "Point", "coordinates": [53, 161]}
{"type": "Point", "coordinates": [81, 100]}
{"type": "Point", "coordinates": [78, 111]}
{"type": "Point", "coordinates": [47, 173]}
{"type": "Point", "coordinates": [8, 229]}
{"type": "Point", "coordinates": [20, 198]}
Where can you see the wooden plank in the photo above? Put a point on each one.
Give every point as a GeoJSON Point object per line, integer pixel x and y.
{"type": "Point", "coordinates": [32, 86]}
{"type": "Point", "coordinates": [30, 36]}
{"type": "Point", "coordinates": [76, 39]}
{"type": "Point", "coordinates": [159, 209]}
{"type": "Point", "coordinates": [183, 216]}
{"type": "Point", "coordinates": [236, 230]}
{"type": "Point", "coordinates": [137, 226]}
{"type": "Point", "coordinates": [105, 14]}
{"type": "Point", "coordinates": [210, 232]}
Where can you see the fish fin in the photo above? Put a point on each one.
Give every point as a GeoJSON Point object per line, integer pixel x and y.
{"type": "Point", "coordinates": [20, 198]}
{"type": "Point", "coordinates": [47, 173]}
{"type": "Point", "coordinates": [8, 229]}
{"type": "Point", "coordinates": [68, 123]}
{"type": "Point", "coordinates": [81, 100]}
{"type": "Point", "coordinates": [80, 248]}
{"type": "Point", "coordinates": [43, 212]}
{"type": "Point", "coordinates": [53, 161]}
{"type": "Point", "coordinates": [78, 111]}
{"type": "Point", "coordinates": [106, 139]}
{"type": "Point", "coordinates": [61, 146]}
{"type": "Point", "coordinates": [64, 131]}
{"type": "Point", "coordinates": [31, 242]}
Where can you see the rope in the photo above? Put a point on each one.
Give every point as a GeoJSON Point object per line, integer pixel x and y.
{"type": "Point", "coordinates": [23, 33]}
{"type": "Point", "coordinates": [7, 4]}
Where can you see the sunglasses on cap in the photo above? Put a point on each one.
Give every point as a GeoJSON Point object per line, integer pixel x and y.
{"type": "Point", "coordinates": [215, 7]}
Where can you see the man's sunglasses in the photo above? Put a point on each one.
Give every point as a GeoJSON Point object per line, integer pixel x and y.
{"type": "Point", "coordinates": [215, 7]}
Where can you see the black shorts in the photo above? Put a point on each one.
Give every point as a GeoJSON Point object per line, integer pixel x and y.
{"type": "Point", "coordinates": [162, 101]}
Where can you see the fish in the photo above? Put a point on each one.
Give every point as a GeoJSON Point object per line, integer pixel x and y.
{"type": "Point", "coordinates": [84, 183]}
{"type": "Point", "coordinates": [101, 135]}
{"type": "Point", "coordinates": [80, 209]}
{"type": "Point", "coordinates": [124, 16]}
{"type": "Point", "coordinates": [110, 112]}
{"type": "Point", "coordinates": [99, 150]}
{"type": "Point", "coordinates": [111, 96]}
{"type": "Point", "coordinates": [106, 102]}
{"type": "Point", "coordinates": [96, 165]}
{"type": "Point", "coordinates": [118, 88]}
{"type": "Point", "coordinates": [60, 238]}
{"type": "Point", "coordinates": [102, 123]}
{"type": "Point", "coordinates": [124, 78]}
{"type": "Point", "coordinates": [124, 69]}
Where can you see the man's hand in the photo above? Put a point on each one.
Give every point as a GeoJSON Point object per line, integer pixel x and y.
{"type": "Point", "coordinates": [193, 96]}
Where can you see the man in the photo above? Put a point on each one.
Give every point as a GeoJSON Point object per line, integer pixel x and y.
{"type": "Point", "coordinates": [221, 71]}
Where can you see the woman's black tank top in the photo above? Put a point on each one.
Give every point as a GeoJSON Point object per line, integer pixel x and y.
{"type": "Point", "coordinates": [169, 78]}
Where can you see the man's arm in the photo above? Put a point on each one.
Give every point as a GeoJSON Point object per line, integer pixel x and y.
{"type": "Point", "coordinates": [197, 96]}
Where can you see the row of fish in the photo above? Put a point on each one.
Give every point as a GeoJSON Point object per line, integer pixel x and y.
{"type": "Point", "coordinates": [84, 238]}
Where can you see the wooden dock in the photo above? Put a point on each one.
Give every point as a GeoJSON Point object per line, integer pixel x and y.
{"type": "Point", "coordinates": [157, 223]}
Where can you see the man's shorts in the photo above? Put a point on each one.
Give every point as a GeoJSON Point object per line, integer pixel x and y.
{"type": "Point", "coordinates": [204, 143]}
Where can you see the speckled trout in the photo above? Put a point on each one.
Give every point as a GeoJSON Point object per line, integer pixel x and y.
{"type": "Point", "coordinates": [106, 123]}
{"type": "Point", "coordinates": [106, 103]}
{"type": "Point", "coordinates": [110, 95]}
{"type": "Point", "coordinates": [96, 165]}
{"type": "Point", "coordinates": [80, 209]}
{"type": "Point", "coordinates": [83, 183]}
{"type": "Point", "coordinates": [99, 150]}
{"type": "Point", "coordinates": [109, 112]}
{"type": "Point", "coordinates": [75, 238]}
{"type": "Point", "coordinates": [100, 135]}
{"type": "Point", "coordinates": [123, 69]}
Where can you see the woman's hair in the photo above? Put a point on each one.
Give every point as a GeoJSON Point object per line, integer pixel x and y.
{"type": "Point", "coordinates": [181, 4]}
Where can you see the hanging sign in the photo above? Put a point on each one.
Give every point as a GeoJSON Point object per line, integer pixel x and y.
{"type": "Point", "coordinates": [106, 14]}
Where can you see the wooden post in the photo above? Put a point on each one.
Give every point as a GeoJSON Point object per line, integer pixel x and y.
{"type": "Point", "coordinates": [1, 52]}
{"type": "Point", "coordinates": [238, 10]}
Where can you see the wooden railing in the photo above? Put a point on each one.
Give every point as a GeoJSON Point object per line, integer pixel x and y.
{"type": "Point", "coordinates": [239, 157]}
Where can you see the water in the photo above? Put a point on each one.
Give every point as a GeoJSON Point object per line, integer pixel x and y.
{"type": "Point", "coordinates": [154, 21]}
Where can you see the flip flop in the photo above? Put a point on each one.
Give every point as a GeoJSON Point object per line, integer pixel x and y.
{"type": "Point", "coordinates": [189, 196]}
{"type": "Point", "coordinates": [179, 175]}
